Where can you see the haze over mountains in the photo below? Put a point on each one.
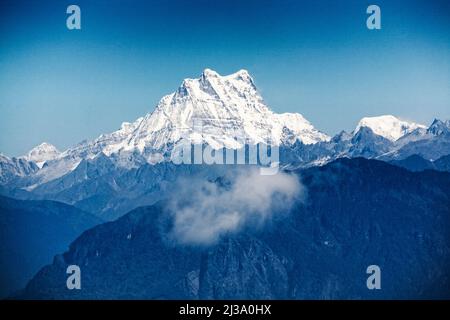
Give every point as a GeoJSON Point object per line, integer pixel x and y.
{"type": "Point", "coordinates": [31, 233]}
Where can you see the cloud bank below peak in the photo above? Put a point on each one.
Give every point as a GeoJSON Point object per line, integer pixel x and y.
{"type": "Point", "coordinates": [246, 199]}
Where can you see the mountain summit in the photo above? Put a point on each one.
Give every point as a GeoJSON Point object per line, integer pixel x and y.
{"type": "Point", "coordinates": [41, 153]}
{"type": "Point", "coordinates": [388, 126]}
{"type": "Point", "coordinates": [439, 127]}
{"type": "Point", "coordinates": [221, 111]}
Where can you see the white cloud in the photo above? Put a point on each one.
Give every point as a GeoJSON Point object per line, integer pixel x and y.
{"type": "Point", "coordinates": [204, 210]}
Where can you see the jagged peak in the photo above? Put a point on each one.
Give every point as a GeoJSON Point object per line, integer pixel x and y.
{"type": "Point", "coordinates": [438, 127]}
{"type": "Point", "coordinates": [440, 122]}
{"type": "Point", "coordinates": [44, 147]}
{"type": "Point", "coordinates": [209, 73]}
{"type": "Point", "coordinates": [342, 136]}
{"type": "Point", "coordinates": [42, 152]}
{"type": "Point", "coordinates": [241, 74]}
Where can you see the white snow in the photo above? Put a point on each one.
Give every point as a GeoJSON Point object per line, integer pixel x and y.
{"type": "Point", "coordinates": [42, 153]}
{"type": "Point", "coordinates": [388, 126]}
{"type": "Point", "coordinates": [222, 111]}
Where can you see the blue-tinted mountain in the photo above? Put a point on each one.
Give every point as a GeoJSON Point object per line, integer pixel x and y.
{"type": "Point", "coordinates": [443, 163]}
{"type": "Point", "coordinates": [131, 167]}
{"type": "Point", "coordinates": [357, 213]}
{"type": "Point", "coordinates": [417, 163]}
{"type": "Point", "coordinates": [12, 169]}
{"type": "Point", "coordinates": [31, 233]}
{"type": "Point", "coordinates": [414, 163]}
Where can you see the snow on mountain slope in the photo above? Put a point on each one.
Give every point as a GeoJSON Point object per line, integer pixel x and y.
{"type": "Point", "coordinates": [430, 143]}
{"type": "Point", "coordinates": [222, 111]}
{"type": "Point", "coordinates": [42, 153]}
{"type": "Point", "coordinates": [388, 126]}
{"type": "Point", "coordinates": [228, 111]}
{"type": "Point", "coordinates": [11, 168]}
{"type": "Point", "coordinates": [295, 127]}
{"type": "Point", "coordinates": [439, 127]}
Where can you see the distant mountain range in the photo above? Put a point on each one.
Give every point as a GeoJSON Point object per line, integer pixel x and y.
{"type": "Point", "coordinates": [376, 195]}
{"type": "Point", "coordinates": [417, 163]}
{"type": "Point", "coordinates": [131, 167]}
{"type": "Point", "coordinates": [357, 213]}
{"type": "Point", "coordinates": [31, 234]}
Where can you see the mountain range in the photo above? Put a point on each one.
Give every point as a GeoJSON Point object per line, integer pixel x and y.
{"type": "Point", "coordinates": [357, 213]}
{"type": "Point", "coordinates": [31, 234]}
{"type": "Point", "coordinates": [375, 195]}
{"type": "Point", "coordinates": [119, 171]}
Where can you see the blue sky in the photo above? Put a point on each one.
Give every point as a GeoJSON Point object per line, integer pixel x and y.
{"type": "Point", "coordinates": [312, 57]}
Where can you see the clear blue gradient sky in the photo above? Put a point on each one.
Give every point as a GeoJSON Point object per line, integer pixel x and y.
{"type": "Point", "coordinates": [312, 57]}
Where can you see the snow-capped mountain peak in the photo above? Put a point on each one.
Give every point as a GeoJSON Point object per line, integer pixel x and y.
{"type": "Point", "coordinates": [41, 153]}
{"type": "Point", "coordinates": [388, 126]}
{"type": "Point", "coordinates": [222, 111]}
{"type": "Point", "coordinates": [439, 127]}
